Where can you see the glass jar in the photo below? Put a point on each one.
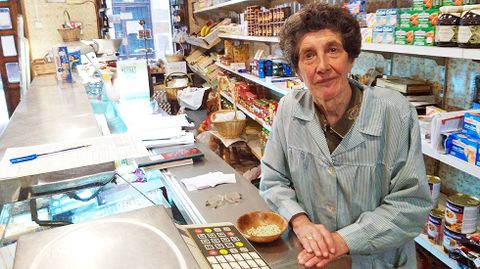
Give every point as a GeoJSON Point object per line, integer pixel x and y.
{"type": "Point", "coordinates": [447, 26]}
{"type": "Point", "coordinates": [469, 29]}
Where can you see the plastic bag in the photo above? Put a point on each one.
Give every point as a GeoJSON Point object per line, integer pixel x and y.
{"type": "Point", "coordinates": [191, 98]}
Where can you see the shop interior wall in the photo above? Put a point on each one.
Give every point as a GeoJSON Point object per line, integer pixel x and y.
{"type": "Point", "coordinates": [44, 18]}
{"type": "Point", "coordinates": [454, 75]}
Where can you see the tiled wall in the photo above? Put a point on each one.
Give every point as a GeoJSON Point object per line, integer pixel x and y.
{"type": "Point", "coordinates": [458, 74]}
{"type": "Point", "coordinates": [43, 19]}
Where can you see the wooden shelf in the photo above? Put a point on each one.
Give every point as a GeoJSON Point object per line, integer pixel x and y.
{"type": "Point", "coordinates": [450, 160]}
{"type": "Point", "coordinates": [268, 39]}
{"type": "Point", "coordinates": [276, 87]}
{"type": "Point", "coordinates": [199, 42]}
{"type": "Point", "coordinates": [248, 113]}
{"type": "Point", "coordinates": [255, 147]}
{"type": "Point", "coordinates": [232, 5]}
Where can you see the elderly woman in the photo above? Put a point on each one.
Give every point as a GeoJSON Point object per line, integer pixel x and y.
{"type": "Point", "coordinates": [343, 163]}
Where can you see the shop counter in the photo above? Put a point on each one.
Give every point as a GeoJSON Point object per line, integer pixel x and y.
{"type": "Point", "coordinates": [51, 111]}
{"type": "Point", "coordinates": [281, 253]}
{"type": "Point", "coordinates": [55, 111]}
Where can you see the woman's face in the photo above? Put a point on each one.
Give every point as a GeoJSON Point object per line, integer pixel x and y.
{"type": "Point", "coordinates": [324, 64]}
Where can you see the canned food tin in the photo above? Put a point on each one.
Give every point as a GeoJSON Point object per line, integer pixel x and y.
{"type": "Point", "coordinates": [434, 186]}
{"type": "Point", "coordinates": [434, 226]}
{"type": "Point", "coordinates": [461, 213]}
{"type": "Point", "coordinates": [451, 239]}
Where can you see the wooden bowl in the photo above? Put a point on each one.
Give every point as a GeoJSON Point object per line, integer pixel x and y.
{"type": "Point", "coordinates": [259, 218]}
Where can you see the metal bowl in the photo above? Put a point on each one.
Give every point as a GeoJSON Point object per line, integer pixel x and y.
{"type": "Point", "coordinates": [260, 218]}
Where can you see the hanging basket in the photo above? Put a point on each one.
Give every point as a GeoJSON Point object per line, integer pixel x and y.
{"type": "Point", "coordinates": [233, 128]}
{"type": "Point", "coordinates": [69, 35]}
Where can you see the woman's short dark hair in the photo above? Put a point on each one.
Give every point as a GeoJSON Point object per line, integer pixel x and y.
{"type": "Point", "coordinates": [315, 17]}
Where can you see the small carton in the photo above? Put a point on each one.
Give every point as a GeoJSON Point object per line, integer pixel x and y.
{"type": "Point", "coordinates": [378, 35]}
{"type": "Point", "coordinates": [404, 36]}
{"type": "Point", "coordinates": [424, 37]}
{"type": "Point", "coordinates": [426, 4]}
{"type": "Point", "coordinates": [392, 17]}
{"type": "Point", "coordinates": [367, 35]}
{"type": "Point", "coordinates": [427, 18]}
{"type": "Point", "coordinates": [463, 147]}
{"type": "Point", "coordinates": [371, 20]}
{"type": "Point", "coordinates": [388, 35]}
{"type": "Point", "coordinates": [62, 63]}
{"type": "Point", "coordinates": [405, 16]}
{"type": "Point", "coordinates": [471, 124]}
{"type": "Point", "coordinates": [381, 17]}
{"type": "Point", "coordinates": [452, 2]}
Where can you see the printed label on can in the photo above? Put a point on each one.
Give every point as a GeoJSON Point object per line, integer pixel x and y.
{"type": "Point", "coordinates": [450, 240]}
{"type": "Point", "coordinates": [461, 219]}
{"type": "Point", "coordinates": [434, 229]}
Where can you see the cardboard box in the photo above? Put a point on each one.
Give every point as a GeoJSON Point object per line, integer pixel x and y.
{"type": "Point", "coordinates": [393, 17]}
{"type": "Point", "coordinates": [378, 35]}
{"type": "Point", "coordinates": [463, 147]}
{"type": "Point", "coordinates": [406, 19]}
{"type": "Point", "coordinates": [427, 18]}
{"type": "Point", "coordinates": [367, 35]}
{"type": "Point", "coordinates": [471, 125]}
{"type": "Point", "coordinates": [381, 17]}
{"type": "Point", "coordinates": [175, 67]}
{"type": "Point", "coordinates": [426, 4]}
{"type": "Point", "coordinates": [371, 20]}
{"type": "Point", "coordinates": [388, 35]}
{"type": "Point", "coordinates": [404, 36]}
{"type": "Point", "coordinates": [62, 63]}
{"type": "Point", "coordinates": [424, 37]}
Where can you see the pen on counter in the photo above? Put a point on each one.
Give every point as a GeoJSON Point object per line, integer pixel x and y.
{"type": "Point", "coordinates": [34, 156]}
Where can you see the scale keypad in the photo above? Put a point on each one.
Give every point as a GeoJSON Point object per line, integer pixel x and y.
{"type": "Point", "coordinates": [225, 248]}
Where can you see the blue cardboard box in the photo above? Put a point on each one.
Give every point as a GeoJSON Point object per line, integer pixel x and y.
{"type": "Point", "coordinates": [463, 147]}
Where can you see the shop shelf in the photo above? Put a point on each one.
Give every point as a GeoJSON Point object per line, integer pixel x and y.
{"type": "Point", "coordinates": [268, 39]}
{"type": "Point", "coordinates": [450, 160]}
{"type": "Point", "coordinates": [436, 251]}
{"type": "Point", "coordinates": [232, 5]}
{"type": "Point", "coordinates": [255, 147]}
{"type": "Point", "coordinates": [415, 50]}
{"type": "Point", "coordinates": [471, 54]}
{"type": "Point", "coordinates": [277, 87]}
{"type": "Point", "coordinates": [248, 113]}
{"type": "Point", "coordinates": [200, 42]}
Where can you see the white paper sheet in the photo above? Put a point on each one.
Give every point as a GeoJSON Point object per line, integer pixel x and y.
{"type": "Point", "coordinates": [209, 180]}
{"type": "Point", "coordinates": [133, 27]}
{"type": "Point", "coordinates": [126, 16]}
{"type": "Point", "coordinates": [8, 46]}
{"type": "Point", "coordinates": [103, 149]}
{"type": "Point", "coordinates": [187, 139]}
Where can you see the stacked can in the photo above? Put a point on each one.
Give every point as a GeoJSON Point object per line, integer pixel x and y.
{"type": "Point", "coordinates": [461, 215]}
{"type": "Point", "coordinates": [434, 187]}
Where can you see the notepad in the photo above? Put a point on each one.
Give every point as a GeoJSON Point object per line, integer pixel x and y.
{"type": "Point", "coordinates": [103, 149]}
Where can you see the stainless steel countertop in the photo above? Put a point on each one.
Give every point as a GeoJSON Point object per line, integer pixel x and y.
{"type": "Point", "coordinates": [55, 111]}
{"type": "Point", "coordinates": [279, 254]}
{"type": "Point", "coordinates": [51, 111]}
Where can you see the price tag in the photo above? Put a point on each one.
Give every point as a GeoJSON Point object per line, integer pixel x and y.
{"type": "Point", "coordinates": [477, 262]}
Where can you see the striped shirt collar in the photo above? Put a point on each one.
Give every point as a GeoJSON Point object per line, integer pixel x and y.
{"type": "Point", "coordinates": [368, 120]}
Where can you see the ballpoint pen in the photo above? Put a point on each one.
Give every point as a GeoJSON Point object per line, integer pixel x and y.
{"type": "Point", "coordinates": [34, 156]}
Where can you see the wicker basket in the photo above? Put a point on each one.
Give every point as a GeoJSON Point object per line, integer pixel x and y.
{"type": "Point", "coordinates": [172, 91]}
{"type": "Point", "coordinates": [229, 129]}
{"type": "Point", "coordinates": [177, 57]}
{"type": "Point", "coordinates": [69, 35]}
